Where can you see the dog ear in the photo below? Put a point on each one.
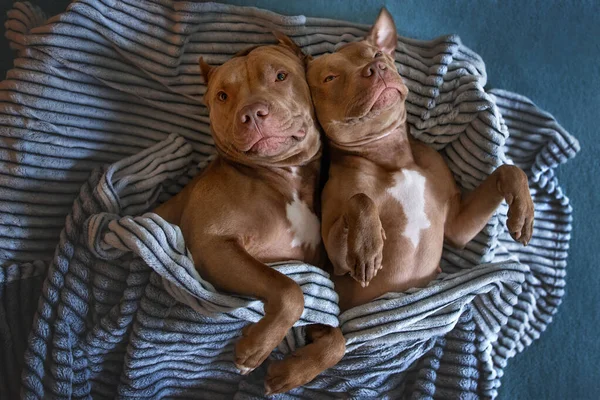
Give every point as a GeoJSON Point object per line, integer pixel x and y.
{"type": "Point", "coordinates": [206, 69]}
{"type": "Point", "coordinates": [285, 41]}
{"type": "Point", "coordinates": [383, 33]}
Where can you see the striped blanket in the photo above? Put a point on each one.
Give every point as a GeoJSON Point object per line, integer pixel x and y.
{"type": "Point", "coordinates": [101, 119]}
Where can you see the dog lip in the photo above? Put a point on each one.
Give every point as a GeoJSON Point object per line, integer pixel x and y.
{"type": "Point", "coordinates": [267, 141]}
{"type": "Point", "coordinates": [373, 94]}
{"type": "Point", "coordinates": [298, 137]}
{"type": "Point", "coordinates": [376, 99]}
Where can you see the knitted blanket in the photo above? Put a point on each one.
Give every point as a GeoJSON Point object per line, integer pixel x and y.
{"type": "Point", "coordinates": [122, 311]}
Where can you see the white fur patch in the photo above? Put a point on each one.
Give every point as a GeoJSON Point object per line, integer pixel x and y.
{"type": "Point", "coordinates": [305, 225]}
{"type": "Point", "coordinates": [409, 190]}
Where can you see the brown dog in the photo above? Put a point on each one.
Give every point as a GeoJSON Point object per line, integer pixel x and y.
{"type": "Point", "coordinates": [390, 200]}
{"type": "Point", "coordinates": [257, 203]}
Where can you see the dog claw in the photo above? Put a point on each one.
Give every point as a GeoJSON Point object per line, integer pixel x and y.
{"type": "Point", "coordinates": [245, 370]}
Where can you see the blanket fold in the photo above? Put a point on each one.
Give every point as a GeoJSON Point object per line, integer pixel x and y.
{"type": "Point", "coordinates": [161, 246]}
{"type": "Point", "coordinates": [122, 312]}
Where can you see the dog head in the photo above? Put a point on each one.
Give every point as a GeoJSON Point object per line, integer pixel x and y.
{"type": "Point", "coordinates": [260, 106]}
{"type": "Point", "coordinates": [357, 91]}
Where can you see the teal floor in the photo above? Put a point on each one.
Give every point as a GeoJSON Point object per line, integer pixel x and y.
{"type": "Point", "coordinates": [550, 52]}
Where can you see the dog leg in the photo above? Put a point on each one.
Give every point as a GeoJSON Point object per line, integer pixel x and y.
{"type": "Point", "coordinates": [336, 245]}
{"type": "Point", "coordinates": [326, 348]}
{"type": "Point", "coordinates": [226, 264]}
{"type": "Point", "coordinates": [468, 215]}
{"type": "Point", "coordinates": [355, 241]}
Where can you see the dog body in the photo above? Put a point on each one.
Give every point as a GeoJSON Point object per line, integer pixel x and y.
{"type": "Point", "coordinates": [258, 203]}
{"type": "Point", "coordinates": [271, 211]}
{"type": "Point", "coordinates": [413, 228]}
{"type": "Point", "coordinates": [390, 201]}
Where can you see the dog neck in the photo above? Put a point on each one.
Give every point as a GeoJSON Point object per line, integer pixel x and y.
{"type": "Point", "coordinates": [390, 151]}
{"type": "Point", "coordinates": [282, 178]}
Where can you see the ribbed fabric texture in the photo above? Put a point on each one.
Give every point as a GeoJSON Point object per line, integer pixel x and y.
{"type": "Point", "coordinates": [122, 311]}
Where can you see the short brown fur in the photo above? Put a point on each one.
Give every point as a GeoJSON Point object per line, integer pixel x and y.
{"type": "Point", "coordinates": [360, 102]}
{"type": "Point", "coordinates": [233, 215]}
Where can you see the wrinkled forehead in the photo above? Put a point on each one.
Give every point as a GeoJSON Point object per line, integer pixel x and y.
{"type": "Point", "coordinates": [347, 56]}
{"type": "Point", "coordinates": [253, 66]}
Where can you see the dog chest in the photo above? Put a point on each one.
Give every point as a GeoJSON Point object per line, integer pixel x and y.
{"type": "Point", "coordinates": [408, 189]}
{"type": "Point", "coordinates": [305, 227]}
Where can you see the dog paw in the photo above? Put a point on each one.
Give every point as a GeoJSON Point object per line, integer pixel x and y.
{"type": "Point", "coordinates": [365, 250]}
{"type": "Point", "coordinates": [520, 219]}
{"type": "Point", "coordinates": [512, 183]}
{"type": "Point", "coordinates": [289, 373]}
{"type": "Point", "coordinates": [255, 345]}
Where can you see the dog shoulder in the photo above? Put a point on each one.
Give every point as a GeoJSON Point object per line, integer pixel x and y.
{"type": "Point", "coordinates": [435, 165]}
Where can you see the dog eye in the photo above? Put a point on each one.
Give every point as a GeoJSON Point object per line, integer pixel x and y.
{"type": "Point", "coordinates": [378, 54]}
{"type": "Point", "coordinates": [329, 78]}
{"type": "Point", "coordinates": [281, 76]}
{"type": "Point", "coordinates": [222, 96]}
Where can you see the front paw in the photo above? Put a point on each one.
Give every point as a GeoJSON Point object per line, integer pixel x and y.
{"type": "Point", "coordinates": [513, 185]}
{"type": "Point", "coordinates": [257, 342]}
{"type": "Point", "coordinates": [365, 250]}
{"type": "Point", "coordinates": [520, 219]}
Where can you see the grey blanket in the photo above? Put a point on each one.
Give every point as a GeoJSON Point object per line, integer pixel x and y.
{"type": "Point", "coordinates": [122, 311]}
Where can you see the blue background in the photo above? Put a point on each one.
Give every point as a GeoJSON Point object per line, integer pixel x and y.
{"type": "Point", "coordinates": [548, 51]}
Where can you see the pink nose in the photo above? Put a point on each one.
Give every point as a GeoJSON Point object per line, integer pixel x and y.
{"type": "Point", "coordinates": [253, 112]}
{"type": "Point", "coordinates": [372, 67]}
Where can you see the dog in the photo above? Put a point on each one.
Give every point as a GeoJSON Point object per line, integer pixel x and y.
{"type": "Point", "coordinates": [258, 203]}
{"type": "Point", "coordinates": [391, 201]}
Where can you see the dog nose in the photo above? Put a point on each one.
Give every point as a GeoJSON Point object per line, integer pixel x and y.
{"type": "Point", "coordinates": [370, 69]}
{"type": "Point", "coordinates": [255, 111]}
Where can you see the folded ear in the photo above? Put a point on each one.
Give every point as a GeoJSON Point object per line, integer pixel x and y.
{"type": "Point", "coordinates": [206, 69]}
{"type": "Point", "coordinates": [383, 33]}
{"type": "Point", "coordinates": [285, 41]}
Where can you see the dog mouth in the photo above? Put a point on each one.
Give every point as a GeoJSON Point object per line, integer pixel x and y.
{"type": "Point", "coordinates": [386, 99]}
{"type": "Point", "coordinates": [271, 145]}
{"type": "Point", "coordinates": [374, 104]}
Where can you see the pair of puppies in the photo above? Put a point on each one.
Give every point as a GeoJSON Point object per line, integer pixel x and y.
{"type": "Point", "coordinates": [387, 207]}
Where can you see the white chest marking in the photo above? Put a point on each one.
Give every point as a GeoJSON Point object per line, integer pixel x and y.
{"type": "Point", "coordinates": [409, 191]}
{"type": "Point", "coordinates": [305, 225]}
